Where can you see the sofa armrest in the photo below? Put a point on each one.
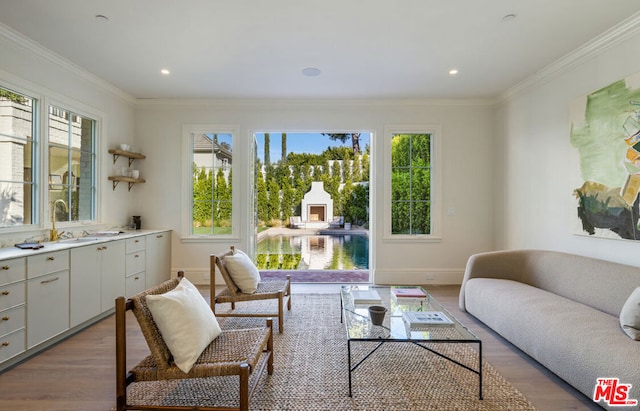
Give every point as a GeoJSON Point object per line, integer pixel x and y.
{"type": "Point", "coordinates": [506, 265]}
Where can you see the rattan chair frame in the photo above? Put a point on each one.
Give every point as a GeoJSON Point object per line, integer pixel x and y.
{"type": "Point", "coordinates": [231, 293]}
{"type": "Point", "coordinates": [241, 352]}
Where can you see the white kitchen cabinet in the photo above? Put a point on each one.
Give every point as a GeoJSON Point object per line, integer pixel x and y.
{"type": "Point", "coordinates": [158, 258]}
{"type": "Point", "coordinates": [97, 278]}
{"type": "Point", "coordinates": [85, 283]}
{"type": "Point", "coordinates": [13, 294]}
{"type": "Point", "coordinates": [112, 272]}
{"type": "Point", "coordinates": [135, 265]}
{"type": "Point", "coordinates": [47, 296]}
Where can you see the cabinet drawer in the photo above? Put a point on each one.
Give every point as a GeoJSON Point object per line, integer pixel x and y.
{"type": "Point", "coordinates": [12, 319]}
{"type": "Point", "coordinates": [12, 295]}
{"type": "Point", "coordinates": [136, 243]}
{"type": "Point", "coordinates": [12, 270]}
{"type": "Point", "coordinates": [135, 262]}
{"type": "Point", "coordinates": [12, 344]}
{"type": "Point", "coordinates": [47, 263]}
{"type": "Point", "coordinates": [135, 284]}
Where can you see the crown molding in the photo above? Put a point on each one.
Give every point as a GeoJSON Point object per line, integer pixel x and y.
{"type": "Point", "coordinates": [17, 39]}
{"type": "Point", "coordinates": [303, 104]}
{"type": "Point", "coordinates": [595, 46]}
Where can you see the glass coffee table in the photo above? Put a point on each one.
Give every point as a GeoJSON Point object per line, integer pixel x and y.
{"type": "Point", "coordinates": [396, 326]}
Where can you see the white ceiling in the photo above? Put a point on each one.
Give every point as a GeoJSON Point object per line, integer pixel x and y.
{"type": "Point", "coordinates": [364, 48]}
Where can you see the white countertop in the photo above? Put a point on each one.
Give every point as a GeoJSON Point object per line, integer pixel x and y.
{"type": "Point", "coordinates": [14, 252]}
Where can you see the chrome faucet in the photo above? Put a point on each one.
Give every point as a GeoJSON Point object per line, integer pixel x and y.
{"type": "Point", "coordinates": [54, 235]}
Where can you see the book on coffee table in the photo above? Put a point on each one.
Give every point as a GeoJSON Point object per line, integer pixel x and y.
{"type": "Point", "coordinates": [366, 297]}
{"type": "Point", "coordinates": [409, 292]}
{"type": "Point", "coordinates": [410, 295]}
{"type": "Point", "coordinates": [423, 319]}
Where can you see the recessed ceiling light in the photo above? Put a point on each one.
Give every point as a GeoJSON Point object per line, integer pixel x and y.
{"type": "Point", "coordinates": [166, 72]}
{"type": "Point", "coordinates": [311, 72]}
{"type": "Point", "coordinates": [102, 18]}
{"type": "Point", "coordinates": [453, 72]}
{"type": "Point", "coordinates": [509, 17]}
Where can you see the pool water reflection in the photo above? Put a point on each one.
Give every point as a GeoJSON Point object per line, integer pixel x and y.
{"type": "Point", "coordinates": [321, 252]}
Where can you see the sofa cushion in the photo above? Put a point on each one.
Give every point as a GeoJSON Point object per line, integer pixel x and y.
{"type": "Point", "coordinates": [630, 315]}
{"type": "Point", "coordinates": [578, 343]}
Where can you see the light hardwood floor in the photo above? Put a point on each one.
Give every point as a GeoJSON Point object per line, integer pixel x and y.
{"type": "Point", "coordinates": [79, 373]}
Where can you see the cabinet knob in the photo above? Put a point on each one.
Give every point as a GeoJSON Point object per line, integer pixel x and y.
{"type": "Point", "coordinates": [105, 247]}
{"type": "Point", "coordinates": [5, 292]}
{"type": "Point", "coordinates": [159, 236]}
{"type": "Point", "coordinates": [5, 267]}
{"type": "Point", "coordinates": [51, 258]}
{"type": "Point", "coordinates": [136, 278]}
{"type": "Point", "coordinates": [136, 256]}
{"type": "Point", "coordinates": [5, 344]}
{"type": "Point", "coordinates": [136, 241]}
{"type": "Point", "coordinates": [5, 318]}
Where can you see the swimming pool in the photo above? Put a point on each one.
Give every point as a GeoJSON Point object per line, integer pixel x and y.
{"type": "Point", "coordinates": [317, 252]}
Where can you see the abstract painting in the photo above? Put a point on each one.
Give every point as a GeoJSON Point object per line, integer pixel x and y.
{"type": "Point", "coordinates": [605, 129]}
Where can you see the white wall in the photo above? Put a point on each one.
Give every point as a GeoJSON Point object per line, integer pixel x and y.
{"type": "Point", "coordinates": [467, 140]}
{"type": "Point", "coordinates": [537, 169]}
{"type": "Point", "coordinates": [29, 68]}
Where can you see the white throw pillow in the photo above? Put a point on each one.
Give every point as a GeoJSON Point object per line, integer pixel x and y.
{"type": "Point", "coordinates": [185, 321]}
{"type": "Point", "coordinates": [630, 315]}
{"type": "Point", "coordinates": [243, 272]}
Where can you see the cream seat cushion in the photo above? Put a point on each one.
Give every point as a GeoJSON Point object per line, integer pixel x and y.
{"type": "Point", "coordinates": [185, 321]}
{"type": "Point", "coordinates": [630, 315]}
{"type": "Point", "coordinates": [242, 271]}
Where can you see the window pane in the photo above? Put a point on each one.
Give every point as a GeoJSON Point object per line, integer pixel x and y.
{"type": "Point", "coordinates": [420, 150]}
{"type": "Point", "coordinates": [211, 183]}
{"type": "Point", "coordinates": [420, 218]}
{"type": "Point", "coordinates": [71, 165]}
{"type": "Point", "coordinates": [401, 150]}
{"type": "Point", "coordinates": [400, 217]}
{"type": "Point", "coordinates": [16, 202]}
{"type": "Point", "coordinates": [16, 159]}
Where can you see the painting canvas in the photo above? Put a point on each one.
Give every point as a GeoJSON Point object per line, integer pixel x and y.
{"type": "Point", "coordinates": [605, 129]}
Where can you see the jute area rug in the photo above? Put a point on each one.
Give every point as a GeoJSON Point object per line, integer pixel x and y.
{"type": "Point", "coordinates": [310, 371]}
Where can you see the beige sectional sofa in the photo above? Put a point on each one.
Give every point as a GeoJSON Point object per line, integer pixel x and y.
{"type": "Point", "coordinates": [562, 310]}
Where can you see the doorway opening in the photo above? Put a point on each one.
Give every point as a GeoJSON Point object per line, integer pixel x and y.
{"type": "Point", "coordinates": [311, 200]}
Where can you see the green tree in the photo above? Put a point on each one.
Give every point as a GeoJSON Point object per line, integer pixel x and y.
{"type": "Point", "coordinates": [262, 199]}
{"type": "Point", "coordinates": [355, 139]}
{"type": "Point", "coordinates": [267, 149]}
{"type": "Point", "coordinates": [273, 202]}
{"type": "Point", "coordinates": [202, 196]}
{"type": "Point", "coordinates": [284, 148]}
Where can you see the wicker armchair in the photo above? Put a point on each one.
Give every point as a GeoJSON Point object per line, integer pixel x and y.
{"type": "Point", "coordinates": [239, 352]}
{"type": "Point", "coordinates": [267, 290]}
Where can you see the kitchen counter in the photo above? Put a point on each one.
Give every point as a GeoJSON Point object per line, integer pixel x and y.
{"type": "Point", "coordinates": [14, 252]}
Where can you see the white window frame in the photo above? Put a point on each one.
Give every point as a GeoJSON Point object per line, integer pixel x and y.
{"type": "Point", "coordinates": [97, 149]}
{"type": "Point", "coordinates": [435, 130]}
{"type": "Point", "coordinates": [187, 179]}
{"type": "Point", "coordinates": [46, 98]}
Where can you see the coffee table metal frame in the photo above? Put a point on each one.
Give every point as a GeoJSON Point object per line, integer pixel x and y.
{"type": "Point", "coordinates": [392, 330]}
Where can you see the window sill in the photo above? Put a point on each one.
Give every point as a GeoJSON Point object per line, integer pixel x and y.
{"type": "Point", "coordinates": [412, 239]}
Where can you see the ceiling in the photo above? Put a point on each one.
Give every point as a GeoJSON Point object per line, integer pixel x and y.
{"type": "Point", "coordinates": [363, 48]}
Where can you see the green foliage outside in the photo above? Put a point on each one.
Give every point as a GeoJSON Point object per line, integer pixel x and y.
{"type": "Point", "coordinates": [411, 184]}
{"type": "Point", "coordinates": [211, 202]}
{"type": "Point", "coordinates": [278, 261]}
{"type": "Point", "coordinates": [280, 190]}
